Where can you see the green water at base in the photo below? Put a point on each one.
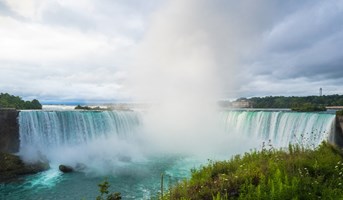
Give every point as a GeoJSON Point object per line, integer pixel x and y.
{"type": "Point", "coordinates": [133, 181]}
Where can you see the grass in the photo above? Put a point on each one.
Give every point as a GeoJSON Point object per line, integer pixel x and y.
{"type": "Point", "coordinates": [293, 173]}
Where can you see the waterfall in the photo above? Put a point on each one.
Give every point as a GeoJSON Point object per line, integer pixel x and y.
{"type": "Point", "coordinates": [109, 137]}
{"type": "Point", "coordinates": [56, 128]}
{"type": "Point", "coordinates": [66, 136]}
{"type": "Point", "coordinates": [48, 129]}
{"type": "Point", "coordinates": [281, 127]}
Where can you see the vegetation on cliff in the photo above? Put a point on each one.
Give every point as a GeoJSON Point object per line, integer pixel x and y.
{"type": "Point", "coordinates": [10, 101]}
{"type": "Point", "coordinates": [339, 113]}
{"type": "Point", "coordinates": [308, 107]}
{"type": "Point", "coordinates": [296, 173]}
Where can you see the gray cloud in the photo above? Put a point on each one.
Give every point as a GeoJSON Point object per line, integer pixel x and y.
{"type": "Point", "coordinates": [254, 48]}
{"type": "Point", "coordinates": [302, 46]}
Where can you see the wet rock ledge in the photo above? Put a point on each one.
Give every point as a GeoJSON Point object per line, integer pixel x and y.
{"type": "Point", "coordinates": [12, 168]}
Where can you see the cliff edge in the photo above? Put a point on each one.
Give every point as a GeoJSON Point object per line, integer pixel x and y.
{"type": "Point", "coordinates": [9, 130]}
{"type": "Point", "coordinates": [338, 138]}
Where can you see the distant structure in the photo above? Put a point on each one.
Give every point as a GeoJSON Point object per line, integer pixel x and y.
{"type": "Point", "coordinates": [320, 92]}
{"type": "Point", "coordinates": [241, 103]}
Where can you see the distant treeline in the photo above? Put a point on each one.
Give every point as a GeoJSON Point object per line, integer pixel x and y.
{"type": "Point", "coordinates": [78, 107]}
{"type": "Point", "coordinates": [10, 101]}
{"type": "Point", "coordinates": [291, 102]}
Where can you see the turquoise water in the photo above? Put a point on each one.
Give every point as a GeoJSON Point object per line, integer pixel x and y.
{"type": "Point", "coordinates": [112, 144]}
{"type": "Point", "coordinates": [134, 181]}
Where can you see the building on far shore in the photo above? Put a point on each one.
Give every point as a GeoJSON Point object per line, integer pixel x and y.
{"type": "Point", "coordinates": [241, 103]}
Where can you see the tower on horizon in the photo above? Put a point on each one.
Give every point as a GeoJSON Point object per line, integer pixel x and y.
{"type": "Point", "coordinates": [320, 92]}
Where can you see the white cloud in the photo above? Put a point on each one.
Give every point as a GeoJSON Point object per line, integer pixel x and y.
{"type": "Point", "coordinates": [24, 42]}
{"type": "Point", "coordinates": [28, 9]}
{"type": "Point", "coordinates": [52, 61]}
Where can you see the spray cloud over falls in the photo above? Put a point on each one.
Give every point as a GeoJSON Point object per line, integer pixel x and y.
{"type": "Point", "coordinates": [185, 59]}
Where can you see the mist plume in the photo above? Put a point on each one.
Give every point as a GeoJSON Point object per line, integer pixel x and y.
{"type": "Point", "coordinates": [184, 64]}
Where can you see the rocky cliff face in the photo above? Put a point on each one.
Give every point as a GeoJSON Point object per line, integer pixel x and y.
{"type": "Point", "coordinates": [9, 131]}
{"type": "Point", "coordinates": [339, 131]}
{"type": "Point", "coordinates": [11, 166]}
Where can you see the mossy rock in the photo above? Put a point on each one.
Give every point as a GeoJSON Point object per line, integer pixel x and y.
{"type": "Point", "coordinates": [12, 167]}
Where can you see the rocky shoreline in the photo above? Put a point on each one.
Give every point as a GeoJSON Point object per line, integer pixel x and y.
{"type": "Point", "coordinates": [12, 168]}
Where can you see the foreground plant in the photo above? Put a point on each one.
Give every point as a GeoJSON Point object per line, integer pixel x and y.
{"type": "Point", "coordinates": [104, 193]}
{"type": "Point", "coordinates": [294, 173]}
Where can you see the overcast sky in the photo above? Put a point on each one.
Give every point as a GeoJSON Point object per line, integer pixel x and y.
{"type": "Point", "coordinates": [99, 50]}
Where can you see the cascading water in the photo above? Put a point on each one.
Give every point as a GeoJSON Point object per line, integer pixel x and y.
{"type": "Point", "coordinates": [57, 128]}
{"type": "Point", "coordinates": [281, 127]}
{"type": "Point", "coordinates": [97, 138]}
